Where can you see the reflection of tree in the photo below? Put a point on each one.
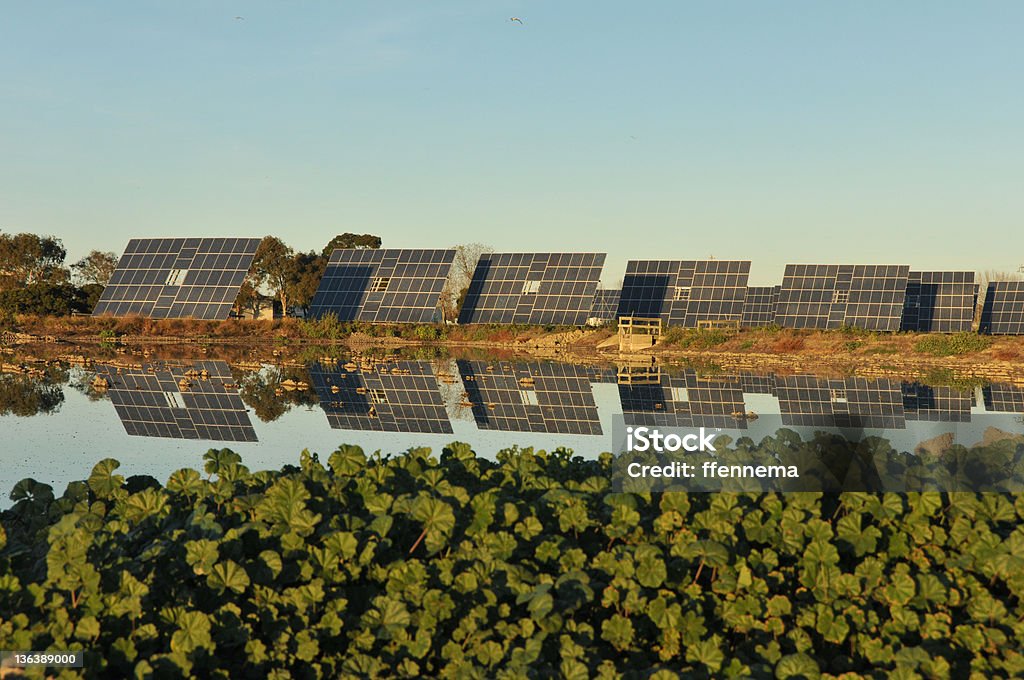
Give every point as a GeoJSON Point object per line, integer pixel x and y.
{"type": "Point", "coordinates": [266, 391]}
{"type": "Point", "coordinates": [82, 381]}
{"type": "Point", "coordinates": [24, 395]}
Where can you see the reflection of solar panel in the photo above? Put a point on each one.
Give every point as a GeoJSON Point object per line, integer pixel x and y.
{"type": "Point", "coordinates": [1003, 312]}
{"type": "Point", "coordinates": [402, 396]}
{"type": "Point", "coordinates": [606, 303]}
{"type": "Point", "coordinates": [684, 293]}
{"type": "Point", "coordinates": [759, 306]}
{"type": "Point", "coordinates": [1004, 398]}
{"type": "Point", "coordinates": [939, 302]}
{"type": "Point", "coordinates": [937, 404]}
{"type": "Point", "coordinates": [537, 288]}
{"type": "Point", "coordinates": [806, 400]}
{"type": "Point", "coordinates": [655, 398]}
{"type": "Point", "coordinates": [757, 383]}
{"type": "Point", "coordinates": [194, 401]}
{"type": "Point", "coordinates": [531, 397]}
{"type": "Point", "coordinates": [386, 286]}
{"type": "Point", "coordinates": [832, 296]}
{"type": "Point", "coordinates": [174, 278]}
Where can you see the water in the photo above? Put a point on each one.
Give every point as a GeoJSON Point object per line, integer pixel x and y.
{"type": "Point", "coordinates": [158, 416]}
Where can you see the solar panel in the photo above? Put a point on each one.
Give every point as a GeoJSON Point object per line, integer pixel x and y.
{"type": "Point", "coordinates": [606, 304]}
{"type": "Point", "coordinates": [400, 396]}
{"type": "Point", "coordinates": [684, 293]}
{"type": "Point", "coordinates": [383, 286]}
{"type": "Point", "coordinates": [759, 306]}
{"type": "Point", "coordinates": [175, 278]}
{"type": "Point", "coordinates": [1003, 398]}
{"type": "Point", "coordinates": [806, 400]}
{"type": "Point", "coordinates": [535, 288]}
{"type": "Point", "coordinates": [1003, 311]}
{"type": "Point", "coordinates": [833, 296]}
{"type": "Point", "coordinates": [939, 302]}
{"type": "Point", "coordinates": [755, 383]}
{"type": "Point", "coordinates": [936, 404]}
{"type": "Point", "coordinates": [531, 397]}
{"type": "Point", "coordinates": [656, 398]}
{"type": "Point", "coordinates": [188, 401]}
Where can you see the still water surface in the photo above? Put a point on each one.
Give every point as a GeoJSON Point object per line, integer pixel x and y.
{"type": "Point", "coordinates": [157, 417]}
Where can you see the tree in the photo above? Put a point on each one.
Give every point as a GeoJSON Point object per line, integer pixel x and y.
{"type": "Point", "coordinates": [347, 240]}
{"type": "Point", "coordinates": [96, 267]}
{"type": "Point", "coordinates": [309, 269]}
{"type": "Point", "coordinates": [457, 285]}
{"type": "Point", "coordinates": [274, 268]}
{"type": "Point", "coordinates": [27, 259]}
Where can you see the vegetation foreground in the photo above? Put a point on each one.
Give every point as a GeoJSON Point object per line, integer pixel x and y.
{"type": "Point", "coordinates": [524, 567]}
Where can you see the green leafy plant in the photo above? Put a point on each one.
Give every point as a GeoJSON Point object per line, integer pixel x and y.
{"type": "Point", "coordinates": [525, 566]}
{"type": "Point", "coordinates": [952, 345]}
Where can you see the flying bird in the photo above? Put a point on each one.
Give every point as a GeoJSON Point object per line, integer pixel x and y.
{"type": "Point", "coordinates": [239, 18]}
{"type": "Point", "coordinates": [516, 19]}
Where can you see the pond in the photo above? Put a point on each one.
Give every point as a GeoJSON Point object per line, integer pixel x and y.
{"type": "Point", "coordinates": [156, 416]}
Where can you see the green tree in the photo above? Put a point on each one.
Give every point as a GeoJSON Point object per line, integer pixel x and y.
{"type": "Point", "coordinates": [27, 259]}
{"type": "Point", "coordinates": [96, 267]}
{"type": "Point", "coordinates": [347, 240]}
{"type": "Point", "coordinates": [309, 269]}
{"type": "Point", "coordinates": [274, 268]}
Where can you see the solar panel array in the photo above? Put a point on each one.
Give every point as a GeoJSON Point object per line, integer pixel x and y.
{"type": "Point", "coordinates": [531, 397]}
{"type": "Point", "coordinates": [759, 306]}
{"type": "Point", "coordinates": [174, 278]}
{"type": "Point", "coordinates": [833, 296]}
{"type": "Point", "coordinates": [685, 292]}
{"type": "Point", "coordinates": [383, 286]}
{"type": "Point", "coordinates": [655, 398]}
{"type": "Point", "coordinates": [806, 400]}
{"type": "Point", "coordinates": [1003, 311]}
{"type": "Point", "coordinates": [939, 302]}
{"type": "Point", "coordinates": [1004, 398]}
{"type": "Point", "coordinates": [936, 404]}
{"type": "Point", "coordinates": [194, 401]}
{"type": "Point", "coordinates": [400, 396]}
{"type": "Point", "coordinates": [536, 288]}
{"type": "Point", "coordinates": [606, 304]}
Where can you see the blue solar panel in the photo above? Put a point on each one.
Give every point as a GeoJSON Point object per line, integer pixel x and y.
{"type": "Point", "coordinates": [534, 288]}
{"type": "Point", "coordinates": [174, 278]}
{"type": "Point", "coordinates": [383, 286]}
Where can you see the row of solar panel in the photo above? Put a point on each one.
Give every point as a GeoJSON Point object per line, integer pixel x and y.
{"type": "Point", "coordinates": [200, 401]}
{"type": "Point", "coordinates": [166, 278]}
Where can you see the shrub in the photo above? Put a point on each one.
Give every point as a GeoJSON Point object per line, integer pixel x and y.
{"type": "Point", "coordinates": [327, 327]}
{"type": "Point", "coordinates": [952, 345]}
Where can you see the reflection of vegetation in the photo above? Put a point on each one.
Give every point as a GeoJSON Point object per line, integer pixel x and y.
{"type": "Point", "coordinates": [27, 395]}
{"type": "Point", "coordinates": [527, 566]}
{"type": "Point", "coordinates": [81, 381]}
{"type": "Point", "coordinates": [265, 392]}
{"type": "Point", "coordinates": [952, 345]}
{"type": "Point", "coordinates": [947, 377]}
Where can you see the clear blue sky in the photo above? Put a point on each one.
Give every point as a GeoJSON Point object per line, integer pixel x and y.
{"type": "Point", "coordinates": [777, 132]}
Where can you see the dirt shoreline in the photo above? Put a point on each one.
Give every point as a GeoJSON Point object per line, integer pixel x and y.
{"type": "Point", "coordinates": [781, 351]}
